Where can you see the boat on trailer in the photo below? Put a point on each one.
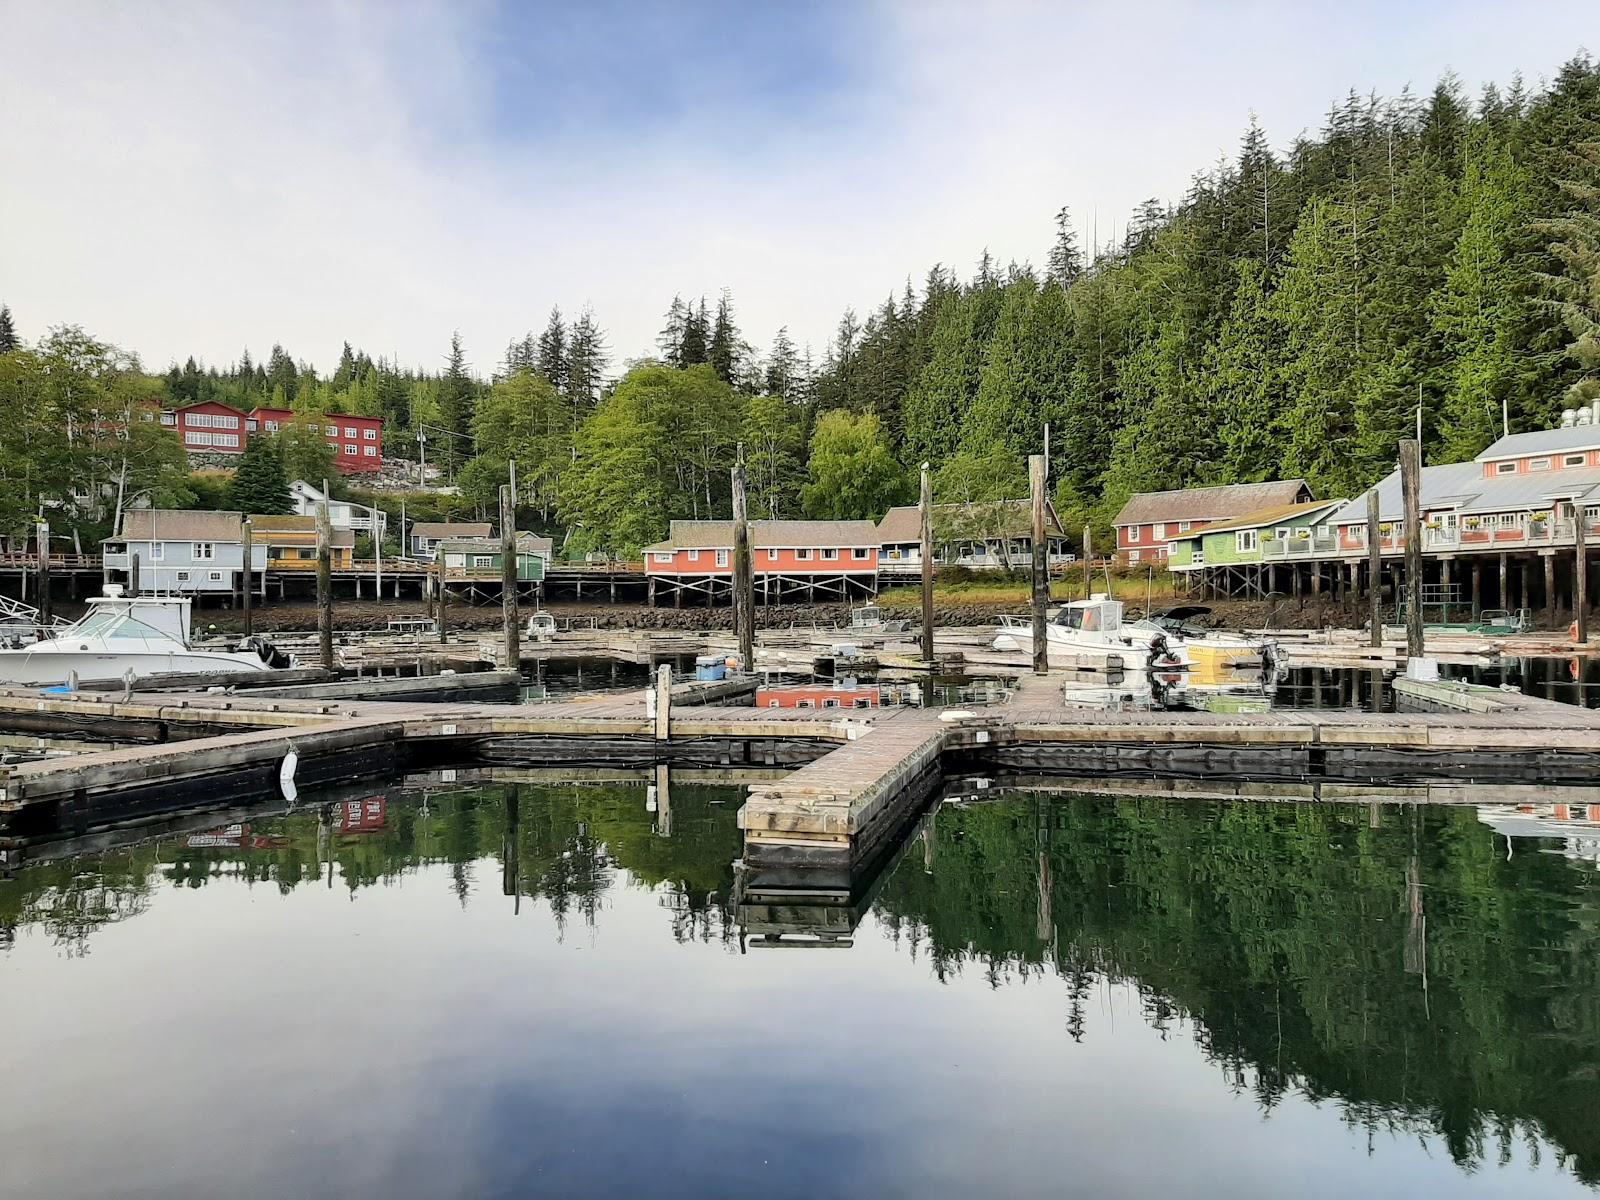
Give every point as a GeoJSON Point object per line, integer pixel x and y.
{"type": "Point", "coordinates": [126, 636]}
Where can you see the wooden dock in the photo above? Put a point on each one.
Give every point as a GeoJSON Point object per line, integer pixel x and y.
{"type": "Point", "coordinates": [861, 772]}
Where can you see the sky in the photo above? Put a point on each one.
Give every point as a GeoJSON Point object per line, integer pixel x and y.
{"type": "Point", "coordinates": [199, 178]}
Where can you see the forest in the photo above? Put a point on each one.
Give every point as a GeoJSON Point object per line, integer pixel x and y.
{"type": "Point", "coordinates": [1291, 315]}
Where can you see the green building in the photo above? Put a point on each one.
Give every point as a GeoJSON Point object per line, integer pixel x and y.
{"type": "Point", "coordinates": [1278, 534]}
{"type": "Point", "coordinates": [479, 558]}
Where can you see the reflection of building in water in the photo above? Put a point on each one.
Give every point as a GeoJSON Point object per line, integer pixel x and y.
{"type": "Point", "coordinates": [1576, 824]}
{"type": "Point", "coordinates": [236, 836]}
{"type": "Point", "coordinates": [367, 815]}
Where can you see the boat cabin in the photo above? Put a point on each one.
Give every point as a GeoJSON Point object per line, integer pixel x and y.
{"type": "Point", "coordinates": [1098, 614]}
{"type": "Point", "coordinates": [116, 615]}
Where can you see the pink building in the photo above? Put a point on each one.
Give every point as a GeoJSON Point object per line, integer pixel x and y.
{"type": "Point", "coordinates": [793, 560]}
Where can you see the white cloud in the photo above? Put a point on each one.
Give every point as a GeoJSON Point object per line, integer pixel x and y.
{"type": "Point", "coordinates": [195, 179]}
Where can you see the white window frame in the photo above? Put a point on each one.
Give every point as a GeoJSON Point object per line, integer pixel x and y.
{"type": "Point", "coordinates": [722, 558]}
{"type": "Point", "coordinates": [371, 435]}
{"type": "Point", "coordinates": [215, 576]}
{"type": "Point", "coordinates": [158, 551]}
{"type": "Point", "coordinates": [482, 562]}
{"type": "Point", "coordinates": [694, 556]}
{"type": "Point", "coordinates": [182, 576]}
{"type": "Point", "coordinates": [272, 427]}
{"type": "Point", "coordinates": [1133, 534]}
{"type": "Point", "coordinates": [350, 431]}
{"type": "Point", "coordinates": [861, 553]}
{"type": "Point", "coordinates": [1246, 541]}
{"type": "Point", "coordinates": [1575, 460]}
{"type": "Point", "coordinates": [351, 451]}
{"type": "Point", "coordinates": [371, 451]}
{"type": "Point", "coordinates": [830, 555]}
{"type": "Point", "coordinates": [1505, 468]}
{"type": "Point", "coordinates": [663, 558]}
{"type": "Point", "coordinates": [1509, 520]}
{"type": "Point", "coordinates": [203, 551]}
{"type": "Point", "coordinates": [772, 555]}
{"type": "Point", "coordinates": [1539, 464]}
{"type": "Point", "coordinates": [1158, 531]}
{"type": "Point", "coordinates": [802, 555]}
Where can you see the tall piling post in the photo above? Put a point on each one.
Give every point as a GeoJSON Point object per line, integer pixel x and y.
{"type": "Point", "coordinates": [744, 575]}
{"type": "Point", "coordinates": [133, 573]}
{"type": "Point", "coordinates": [508, 577]}
{"type": "Point", "coordinates": [1410, 483]}
{"type": "Point", "coordinates": [43, 532]}
{"type": "Point", "coordinates": [1374, 570]}
{"type": "Point", "coordinates": [1041, 564]}
{"type": "Point", "coordinates": [439, 594]}
{"type": "Point", "coordinates": [1580, 568]}
{"type": "Point", "coordinates": [663, 705]}
{"type": "Point", "coordinates": [925, 517]}
{"type": "Point", "coordinates": [247, 546]}
{"type": "Point", "coordinates": [325, 584]}
{"type": "Point", "coordinates": [1088, 564]}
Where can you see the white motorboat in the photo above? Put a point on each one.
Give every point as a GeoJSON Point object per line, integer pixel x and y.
{"type": "Point", "coordinates": [122, 635]}
{"type": "Point", "coordinates": [1085, 630]}
{"type": "Point", "coordinates": [1212, 653]}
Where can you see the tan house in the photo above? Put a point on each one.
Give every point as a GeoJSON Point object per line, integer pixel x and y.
{"type": "Point", "coordinates": [291, 543]}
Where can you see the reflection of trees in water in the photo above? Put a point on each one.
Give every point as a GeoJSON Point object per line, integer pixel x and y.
{"type": "Point", "coordinates": [558, 844]}
{"type": "Point", "coordinates": [1390, 962]}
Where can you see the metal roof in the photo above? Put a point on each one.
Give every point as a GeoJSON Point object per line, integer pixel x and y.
{"type": "Point", "coordinates": [180, 525]}
{"type": "Point", "coordinates": [1267, 516]}
{"type": "Point", "coordinates": [1464, 488]}
{"type": "Point", "coordinates": [1006, 518]}
{"type": "Point", "coordinates": [718, 535]}
{"type": "Point", "coordinates": [1538, 441]}
{"type": "Point", "coordinates": [1210, 503]}
{"type": "Point", "coordinates": [450, 529]}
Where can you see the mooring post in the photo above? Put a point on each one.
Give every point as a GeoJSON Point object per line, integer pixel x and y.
{"type": "Point", "coordinates": [1549, 584]}
{"type": "Point", "coordinates": [1374, 570]}
{"type": "Point", "coordinates": [1041, 564]}
{"type": "Point", "coordinates": [1580, 566]}
{"type": "Point", "coordinates": [325, 584]}
{"type": "Point", "coordinates": [508, 577]}
{"type": "Point", "coordinates": [744, 579]}
{"type": "Point", "coordinates": [438, 593]}
{"type": "Point", "coordinates": [925, 516]}
{"type": "Point", "coordinates": [43, 532]}
{"type": "Point", "coordinates": [664, 702]}
{"type": "Point", "coordinates": [1410, 482]}
{"type": "Point", "coordinates": [249, 575]}
{"type": "Point", "coordinates": [133, 574]}
{"type": "Point", "coordinates": [1088, 565]}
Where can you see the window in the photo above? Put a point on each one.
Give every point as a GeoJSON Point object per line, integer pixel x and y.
{"type": "Point", "coordinates": [1508, 520]}
{"type": "Point", "coordinates": [1133, 533]}
{"type": "Point", "coordinates": [1281, 533]}
{"type": "Point", "coordinates": [1538, 464]}
{"type": "Point", "coordinates": [183, 577]}
{"type": "Point", "coordinates": [1133, 556]}
{"type": "Point", "coordinates": [482, 561]}
{"type": "Point", "coordinates": [371, 451]}
{"type": "Point", "coordinates": [805, 703]}
{"type": "Point", "coordinates": [830, 555]}
{"type": "Point", "coordinates": [350, 431]}
{"type": "Point", "coordinates": [203, 552]}
{"type": "Point", "coordinates": [455, 560]}
{"type": "Point", "coordinates": [772, 555]}
{"type": "Point", "coordinates": [861, 554]}
{"type": "Point", "coordinates": [663, 558]}
{"type": "Point", "coordinates": [370, 434]}
{"type": "Point", "coordinates": [1574, 460]}
{"type": "Point", "coordinates": [1158, 531]}
{"type": "Point", "coordinates": [1244, 541]}
{"type": "Point", "coordinates": [333, 431]}
{"type": "Point", "coordinates": [1505, 468]}
{"type": "Point", "coordinates": [272, 427]}
{"type": "Point", "coordinates": [250, 425]}
{"type": "Point", "coordinates": [1183, 526]}
{"type": "Point", "coordinates": [350, 451]}
{"type": "Point", "coordinates": [803, 555]}
{"type": "Point", "coordinates": [215, 577]}
{"type": "Point", "coordinates": [722, 558]}
{"type": "Point", "coordinates": [158, 551]}
{"type": "Point", "coordinates": [831, 702]}
{"type": "Point", "coordinates": [861, 702]}
{"type": "Point", "coordinates": [774, 704]}
{"type": "Point", "coordinates": [694, 556]}
{"type": "Point", "coordinates": [169, 418]}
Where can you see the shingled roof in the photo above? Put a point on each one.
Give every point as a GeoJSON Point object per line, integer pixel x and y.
{"type": "Point", "coordinates": [450, 529]}
{"type": "Point", "coordinates": [181, 525]}
{"type": "Point", "coordinates": [717, 535]}
{"type": "Point", "coordinates": [1211, 503]}
{"type": "Point", "coordinates": [995, 518]}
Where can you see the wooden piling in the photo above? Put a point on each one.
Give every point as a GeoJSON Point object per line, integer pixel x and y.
{"type": "Point", "coordinates": [1505, 580]}
{"type": "Point", "coordinates": [325, 584]}
{"type": "Point", "coordinates": [249, 577]}
{"type": "Point", "coordinates": [133, 574]}
{"type": "Point", "coordinates": [1374, 571]}
{"type": "Point", "coordinates": [1580, 566]}
{"type": "Point", "coordinates": [43, 533]}
{"type": "Point", "coordinates": [1088, 564]}
{"type": "Point", "coordinates": [1549, 584]}
{"type": "Point", "coordinates": [1041, 564]}
{"type": "Point", "coordinates": [508, 578]}
{"type": "Point", "coordinates": [663, 727]}
{"type": "Point", "coordinates": [1410, 481]}
{"type": "Point", "coordinates": [744, 579]}
{"type": "Point", "coordinates": [439, 595]}
{"type": "Point", "coordinates": [925, 515]}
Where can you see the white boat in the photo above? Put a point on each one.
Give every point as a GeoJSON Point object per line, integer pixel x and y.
{"type": "Point", "coordinates": [1082, 631]}
{"type": "Point", "coordinates": [122, 635]}
{"type": "Point", "coordinates": [1212, 653]}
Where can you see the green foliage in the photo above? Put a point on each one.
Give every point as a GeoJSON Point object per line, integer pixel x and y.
{"type": "Point", "coordinates": [853, 473]}
{"type": "Point", "coordinates": [9, 340]}
{"type": "Point", "coordinates": [304, 449]}
{"type": "Point", "coordinates": [259, 483]}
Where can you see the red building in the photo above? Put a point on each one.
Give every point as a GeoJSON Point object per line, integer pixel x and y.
{"type": "Point", "coordinates": [1150, 520]}
{"type": "Point", "coordinates": [213, 428]}
{"type": "Point", "coordinates": [208, 428]}
{"type": "Point", "coordinates": [795, 560]}
{"type": "Point", "coordinates": [357, 441]}
{"type": "Point", "coordinates": [817, 695]}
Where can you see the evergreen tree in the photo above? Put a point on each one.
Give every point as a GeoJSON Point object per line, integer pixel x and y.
{"type": "Point", "coordinates": [693, 349]}
{"type": "Point", "coordinates": [1066, 260]}
{"type": "Point", "coordinates": [551, 358]}
{"type": "Point", "coordinates": [456, 401]}
{"type": "Point", "coordinates": [1576, 245]}
{"type": "Point", "coordinates": [586, 362]}
{"type": "Point", "coordinates": [723, 350]}
{"type": "Point", "coordinates": [260, 484]}
{"type": "Point", "coordinates": [281, 373]}
{"type": "Point", "coordinates": [1240, 378]}
{"type": "Point", "coordinates": [8, 331]}
{"type": "Point", "coordinates": [782, 376]}
{"type": "Point", "coordinates": [522, 354]}
{"type": "Point", "coordinates": [670, 340]}
{"type": "Point", "coordinates": [345, 374]}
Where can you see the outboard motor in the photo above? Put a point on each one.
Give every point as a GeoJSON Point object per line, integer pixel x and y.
{"type": "Point", "coordinates": [266, 651]}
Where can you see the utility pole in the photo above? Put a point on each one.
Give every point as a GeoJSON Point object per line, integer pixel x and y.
{"type": "Point", "coordinates": [1410, 483]}
{"type": "Point", "coordinates": [249, 576]}
{"type": "Point", "coordinates": [325, 584]}
{"type": "Point", "coordinates": [1374, 570]}
{"type": "Point", "coordinates": [508, 577]}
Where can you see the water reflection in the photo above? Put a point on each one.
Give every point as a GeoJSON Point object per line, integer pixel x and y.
{"type": "Point", "coordinates": [1392, 991]}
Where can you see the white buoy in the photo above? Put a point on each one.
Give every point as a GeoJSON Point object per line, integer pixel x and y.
{"type": "Point", "coordinates": [286, 770]}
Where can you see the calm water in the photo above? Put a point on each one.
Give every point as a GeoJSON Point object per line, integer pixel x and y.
{"type": "Point", "coordinates": [509, 990]}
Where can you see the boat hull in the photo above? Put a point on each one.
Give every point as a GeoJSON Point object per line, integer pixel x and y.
{"type": "Point", "coordinates": [43, 667]}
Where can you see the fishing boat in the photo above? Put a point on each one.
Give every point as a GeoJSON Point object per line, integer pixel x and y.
{"type": "Point", "coordinates": [1214, 652]}
{"type": "Point", "coordinates": [122, 636]}
{"type": "Point", "coordinates": [1083, 632]}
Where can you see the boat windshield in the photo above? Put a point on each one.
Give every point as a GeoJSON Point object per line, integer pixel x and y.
{"type": "Point", "coordinates": [106, 623]}
{"type": "Point", "coordinates": [1091, 618]}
